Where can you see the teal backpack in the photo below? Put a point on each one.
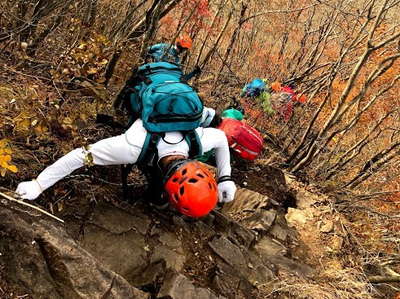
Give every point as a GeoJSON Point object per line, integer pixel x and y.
{"type": "Point", "coordinates": [158, 95]}
{"type": "Point", "coordinates": [163, 101]}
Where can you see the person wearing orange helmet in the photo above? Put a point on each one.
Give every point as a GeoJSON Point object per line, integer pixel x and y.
{"type": "Point", "coordinates": [187, 185]}
{"type": "Point", "coordinates": [170, 53]}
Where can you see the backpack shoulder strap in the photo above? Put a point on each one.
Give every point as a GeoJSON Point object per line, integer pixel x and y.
{"type": "Point", "coordinates": [193, 140]}
{"type": "Point", "coordinates": [148, 156]}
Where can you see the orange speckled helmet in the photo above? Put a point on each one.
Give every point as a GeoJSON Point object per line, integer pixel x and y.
{"type": "Point", "coordinates": [184, 42]}
{"type": "Point", "coordinates": [191, 188]}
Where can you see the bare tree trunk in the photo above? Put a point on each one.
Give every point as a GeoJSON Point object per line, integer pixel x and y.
{"type": "Point", "coordinates": [90, 14]}
{"type": "Point", "coordinates": [380, 69]}
{"type": "Point", "coordinates": [121, 29]}
{"type": "Point", "coordinates": [57, 21]}
{"type": "Point", "coordinates": [152, 18]}
{"type": "Point", "coordinates": [374, 165]}
{"type": "Point", "coordinates": [111, 66]}
{"type": "Point", "coordinates": [42, 8]}
{"type": "Point", "coordinates": [355, 150]}
{"type": "Point", "coordinates": [140, 27]}
{"type": "Point", "coordinates": [340, 106]}
{"type": "Point", "coordinates": [206, 39]}
{"type": "Point", "coordinates": [213, 49]}
{"type": "Point", "coordinates": [182, 25]}
{"type": "Point", "coordinates": [233, 39]}
{"type": "Point", "coordinates": [138, 30]}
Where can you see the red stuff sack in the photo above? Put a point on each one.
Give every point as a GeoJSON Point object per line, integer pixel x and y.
{"type": "Point", "coordinates": [243, 139]}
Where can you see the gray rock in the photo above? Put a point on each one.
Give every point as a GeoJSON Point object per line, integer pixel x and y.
{"type": "Point", "coordinates": [173, 259]}
{"type": "Point", "coordinates": [246, 200]}
{"type": "Point", "coordinates": [267, 246]}
{"type": "Point", "coordinates": [227, 226]}
{"type": "Point", "coordinates": [244, 235]}
{"type": "Point", "coordinates": [39, 258]}
{"type": "Point", "coordinates": [229, 252]}
{"type": "Point", "coordinates": [259, 273]}
{"type": "Point", "coordinates": [123, 253]}
{"type": "Point", "coordinates": [222, 222]}
{"type": "Point", "coordinates": [177, 286]}
{"type": "Point", "coordinates": [181, 224]}
{"type": "Point", "coordinates": [260, 220]}
{"type": "Point", "coordinates": [109, 217]}
{"type": "Point", "coordinates": [279, 232]}
{"type": "Point", "coordinates": [171, 240]}
{"type": "Point", "coordinates": [223, 283]}
{"type": "Point", "coordinates": [152, 274]}
{"type": "Point", "coordinates": [296, 267]}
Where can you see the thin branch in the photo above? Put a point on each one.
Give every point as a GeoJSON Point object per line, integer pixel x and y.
{"type": "Point", "coordinates": [31, 206]}
{"type": "Point", "coordinates": [376, 194]}
{"type": "Point", "coordinates": [383, 279]}
{"type": "Point", "coordinates": [281, 11]}
{"type": "Point", "coordinates": [368, 210]}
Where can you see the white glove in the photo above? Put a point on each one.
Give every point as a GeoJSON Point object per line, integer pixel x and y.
{"type": "Point", "coordinates": [226, 191]}
{"type": "Point", "coordinates": [29, 190]}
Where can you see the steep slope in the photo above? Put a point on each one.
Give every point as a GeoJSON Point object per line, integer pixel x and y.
{"type": "Point", "coordinates": [132, 251]}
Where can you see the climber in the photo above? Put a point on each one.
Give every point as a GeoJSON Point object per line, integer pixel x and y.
{"type": "Point", "coordinates": [188, 185]}
{"type": "Point", "coordinates": [164, 52]}
{"type": "Point", "coordinates": [164, 56]}
{"type": "Point", "coordinates": [284, 98]}
{"type": "Point", "coordinates": [259, 90]}
{"type": "Point", "coordinates": [169, 53]}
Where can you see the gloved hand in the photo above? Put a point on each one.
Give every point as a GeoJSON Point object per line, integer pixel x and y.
{"type": "Point", "coordinates": [226, 191]}
{"type": "Point", "coordinates": [29, 190]}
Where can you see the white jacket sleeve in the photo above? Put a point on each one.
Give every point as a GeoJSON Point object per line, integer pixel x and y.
{"type": "Point", "coordinates": [215, 139]}
{"type": "Point", "coordinates": [111, 151]}
{"type": "Point", "coordinates": [122, 149]}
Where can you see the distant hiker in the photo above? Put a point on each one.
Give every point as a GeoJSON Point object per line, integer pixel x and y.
{"type": "Point", "coordinates": [164, 52]}
{"type": "Point", "coordinates": [284, 98]}
{"type": "Point", "coordinates": [170, 53]}
{"type": "Point", "coordinates": [244, 141]}
{"type": "Point", "coordinates": [259, 90]}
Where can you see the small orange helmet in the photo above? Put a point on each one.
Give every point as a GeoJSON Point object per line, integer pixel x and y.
{"type": "Point", "coordinates": [184, 42]}
{"type": "Point", "coordinates": [191, 188]}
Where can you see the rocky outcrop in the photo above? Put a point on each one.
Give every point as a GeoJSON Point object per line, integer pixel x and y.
{"type": "Point", "coordinates": [40, 259]}
{"type": "Point", "coordinates": [133, 251]}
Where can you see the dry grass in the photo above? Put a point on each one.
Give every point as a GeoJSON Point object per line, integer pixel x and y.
{"type": "Point", "coordinates": [331, 284]}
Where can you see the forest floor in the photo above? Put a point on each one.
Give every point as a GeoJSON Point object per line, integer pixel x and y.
{"type": "Point", "coordinates": [343, 245]}
{"type": "Point", "coordinates": [325, 239]}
